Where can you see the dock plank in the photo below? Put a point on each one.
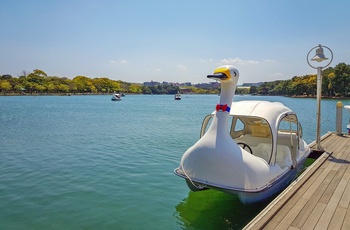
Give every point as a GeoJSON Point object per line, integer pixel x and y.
{"type": "Point", "coordinates": [338, 218]}
{"type": "Point", "coordinates": [287, 208]}
{"type": "Point", "coordinates": [311, 222]}
{"type": "Point", "coordinates": [333, 184]}
{"type": "Point", "coordinates": [346, 223]}
{"type": "Point", "coordinates": [345, 200]}
{"type": "Point", "coordinates": [319, 198]}
{"type": "Point", "coordinates": [288, 219]}
{"type": "Point", "coordinates": [293, 200]}
{"type": "Point", "coordinates": [313, 200]}
{"type": "Point", "coordinates": [332, 204]}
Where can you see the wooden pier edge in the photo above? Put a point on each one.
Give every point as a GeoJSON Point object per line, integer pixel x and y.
{"type": "Point", "coordinates": [263, 218]}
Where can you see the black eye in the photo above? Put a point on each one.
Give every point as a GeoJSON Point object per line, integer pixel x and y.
{"type": "Point", "coordinates": [234, 73]}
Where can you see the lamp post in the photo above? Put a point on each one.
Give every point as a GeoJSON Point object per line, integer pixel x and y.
{"type": "Point", "coordinates": [319, 57]}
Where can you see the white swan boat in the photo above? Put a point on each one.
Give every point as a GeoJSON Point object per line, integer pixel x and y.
{"type": "Point", "coordinates": [178, 96]}
{"type": "Point", "coordinates": [250, 148]}
{"type": "Point", "coordinates": [116, 97]}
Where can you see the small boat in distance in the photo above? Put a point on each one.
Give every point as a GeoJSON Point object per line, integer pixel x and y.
{"type": "Point", "coordinates": [178, 96]}
{"type": "Point", "coordinates": [116, 97]}
{"type": "Point", "coordinates": [250, 148]}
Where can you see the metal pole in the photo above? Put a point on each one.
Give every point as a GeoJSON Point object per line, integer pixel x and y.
{"type": "Point", "coordinates": [319, 89]}
{"type": "Point", "coordinates": [319, 58]}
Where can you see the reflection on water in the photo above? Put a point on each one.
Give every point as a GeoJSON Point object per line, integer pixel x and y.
{"type": "Point", "coordinates": [211, 209]}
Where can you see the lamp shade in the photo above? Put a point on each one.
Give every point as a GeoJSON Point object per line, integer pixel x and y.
{"type": "Point", "coordinates": [319, 55]}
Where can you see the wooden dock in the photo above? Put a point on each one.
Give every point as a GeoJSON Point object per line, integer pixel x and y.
{"type": "Point", "coordinates": [319, 198]}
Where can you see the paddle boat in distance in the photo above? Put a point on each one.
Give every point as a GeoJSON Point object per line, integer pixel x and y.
{"type": "Point", "coordinates": [250, 148]}
{"type": "Point", "coordinates": [178, 96]}
{"type": "Point", "coordinates": [116, 97]}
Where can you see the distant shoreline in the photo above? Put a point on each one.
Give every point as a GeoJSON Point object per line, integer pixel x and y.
{"type": "Point", "coordinates": [96, 94]}
{"type": "Point", "coordinates": [323, 97]}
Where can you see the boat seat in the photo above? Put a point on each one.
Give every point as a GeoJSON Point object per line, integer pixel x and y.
{"type": "Point", "coordinates": [262, 148]}
{"type": "Point", "coordinates": [283, 156]}
{"type": "Point", "coordinates": [253, 140]}
{"type": "Point", "coordinates": [263, 151]}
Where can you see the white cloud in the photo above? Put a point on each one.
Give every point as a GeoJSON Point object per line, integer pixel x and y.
{"type": "Point", "coordinates": [181, 67]}
{"type": "Point", "coordinates": [237, 61]}
{"type": "Point", "coordinates": [158, 70]}
{"type": "Point", "coordinates": [270, 61]}
{"type": "Point", "coordinates": [277, 74]}
{"type": "Point", "coordinates": [120, 62]}
{"type": "Point", "coordinates": [205, 61]}
{"type": "Point", "coordinates": [124, 62]}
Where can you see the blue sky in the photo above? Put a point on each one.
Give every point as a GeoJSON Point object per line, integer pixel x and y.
{"type": "Point", "coordinates": [175, 41]}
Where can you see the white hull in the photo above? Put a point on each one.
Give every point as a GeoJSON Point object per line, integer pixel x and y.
{"type": "Point", "coordinates": [249, 196]}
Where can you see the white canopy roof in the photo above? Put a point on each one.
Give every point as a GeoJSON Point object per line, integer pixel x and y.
{"type": "Point", "coordinates": [272, 112]}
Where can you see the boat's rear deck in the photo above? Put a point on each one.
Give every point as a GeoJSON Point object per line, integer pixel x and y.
{"type": "Point", "coordinates": [319, 199]}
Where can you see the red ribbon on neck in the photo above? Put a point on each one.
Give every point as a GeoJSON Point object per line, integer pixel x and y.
{"type": "Point", "coordinates": [224, 108]}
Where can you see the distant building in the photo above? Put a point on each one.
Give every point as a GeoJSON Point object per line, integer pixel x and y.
{"type": "Point", "coordinates": [210, 85]}
{"type": "Point", "coordinates": [151, 83]}
{"type": "Point", "coordinates": [170, 83]}
{"type": "Point", "coordinates": [165, 83]}
{"type": "Point", "coordinates": [5, 76]}
{"type": "Point", "coordinates": [252, 84]}
{"type": "Point", "coordinates": [174, 84]}
{"type": "Point", "coordinates": [186, 84]}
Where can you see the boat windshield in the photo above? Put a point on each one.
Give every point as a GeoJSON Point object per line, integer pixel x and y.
{"type": "Point", "coordinates": [289, 134]}
{"type": "Point", "coordinates": [254, 135]}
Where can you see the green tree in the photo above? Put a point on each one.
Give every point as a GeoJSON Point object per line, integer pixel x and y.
{"type": "Point", "coordinates": [63, 88]}
{"type": "Point", "coordinates": [51, 88]}
{"type": "Point", "coordinates": [134, 88]}
{"type": "Point", "coordinates": [342, 79]}
{"type": "Point", "coordinates": [81, 83]}
{"type": "Point", "coordinates": [5, 86]}
{"type": "Point", "coordinates": [253, 90]}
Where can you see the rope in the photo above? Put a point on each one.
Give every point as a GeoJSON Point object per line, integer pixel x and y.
{"type": "Point", "coordinates": [189, 178]}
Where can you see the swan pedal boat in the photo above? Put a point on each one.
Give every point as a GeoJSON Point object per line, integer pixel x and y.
{"type": "Point", "coordinates": [250, 148]}
{"type": "Point", "coordinates": [177, 96]}
{"type": "Point", "coordinates": [116, 97]}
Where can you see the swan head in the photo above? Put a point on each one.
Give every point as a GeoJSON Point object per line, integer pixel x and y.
{"type": "Point", "coordinates": [225, 73]}
{"type": "Point", "coordinates": [228, 76]}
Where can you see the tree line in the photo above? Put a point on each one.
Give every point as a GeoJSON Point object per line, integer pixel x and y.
{"type": "Point", "coordinates": [38, 82]}
{"type": "Point", "coordinates": [335, 83]}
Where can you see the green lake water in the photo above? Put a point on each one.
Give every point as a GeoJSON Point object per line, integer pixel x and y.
{"type": "Point", "coordinates": [86, 162]}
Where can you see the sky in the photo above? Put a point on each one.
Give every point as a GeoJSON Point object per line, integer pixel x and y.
{"type": "Point", "coordinates": [173, 41]}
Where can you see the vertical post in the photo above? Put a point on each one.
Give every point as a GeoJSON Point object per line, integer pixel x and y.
{"type": "Point", "coordinates": [339, 117]}
{"type": "Point", "coordinates": [319, 89]}
{"type": "Point", "coordinates": [319, 57]}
